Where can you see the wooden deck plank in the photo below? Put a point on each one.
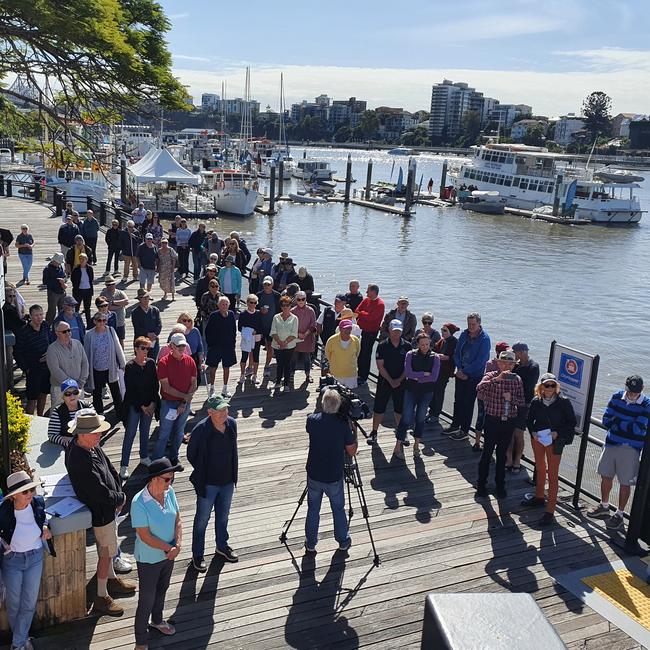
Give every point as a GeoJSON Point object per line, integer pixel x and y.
{"type": "Point", "coordinates": [429, 531]}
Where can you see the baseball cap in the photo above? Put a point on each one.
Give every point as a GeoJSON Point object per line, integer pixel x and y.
{"type": "Point", "coordinates": [148, 236]}
{"type": "Point", "coordinates": [178, 339]}
{"type": "Point", "coordinates": [69, 300]}
{"type": "Point", "coordinates": [67, 384]}
{"type": "Point", "coordinates": [501, 346]}
{"type": "Point", "coordinates": [217, 402]}
{"type": "Point", "coordinates": [396, 324]}
{"type": "Point", "coordinates": [340, 296]}
{"type": "Point", "coordinates": [345, 324]}
{"type": "Point", "coordinates": [267, 280]}
{"type": "Point", "coordinates": [507, 355]}
{"type": "Point", "coordinates": [520, 346]}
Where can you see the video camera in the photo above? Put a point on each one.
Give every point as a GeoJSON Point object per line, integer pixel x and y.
{"type": "Point", "coordinates": [352, 408]}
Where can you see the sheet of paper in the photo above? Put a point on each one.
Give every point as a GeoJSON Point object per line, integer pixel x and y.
{"type": "Point", "coordinates": [172, 414]}
{"type": "Point", "coordinates": [64, 507]}
{"type": "Point", "coordinates": [59, 490]}
{"type": "Point", "coordinates": [544, 437]}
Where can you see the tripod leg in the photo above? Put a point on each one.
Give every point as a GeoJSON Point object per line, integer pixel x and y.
{"type": "Point", "coordinates": [285, 530]}
{"type": "Point", "coordinates": [364, 511]}
{"type": "Point", "coordinates": [350, 509]}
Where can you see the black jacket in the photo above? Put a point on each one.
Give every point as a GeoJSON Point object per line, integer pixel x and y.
{"type": "Point", "coordinates": [113, 239]}
{"type": "Point", "coordinates": [75, 276]}
{"type": "Point", "coordinates": [559, 416]}
{"type": "Point", "coordinates": [8, 518]}
{"type": "Point", "coordinates": [197, 452]}
{"type": "Point", "coordinates": [95, 481]}
{"type": "Point", "coordinates": [67, 233]}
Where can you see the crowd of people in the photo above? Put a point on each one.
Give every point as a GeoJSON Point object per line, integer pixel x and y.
{"type": "Point", "coordinates": [79, 360]}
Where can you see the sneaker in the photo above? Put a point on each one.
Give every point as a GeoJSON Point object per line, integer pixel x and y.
{"type": "Point", "coordinates": [459, 435]}
{"type": "Point", "coordinates": [145, 461]}
{"type": "Point", "coordinates": [199, 564]}
{"type": "Point", "coordinates": [531, 501]}
{"type": "Point", "coordinates": [615, 522]}
{"type": "Point", "coordinates": [120, 565]}
{"type": "Point", "coordinates": [255, 380]}
{"type": "Point", "coordinates": [345, 546]}
{"type": "Point", "coordinates": [228, 554]}
{"type": "Point", "coordinates": [225, 392]}
{"type": "Point", "coordinates": [105, 392]}
{"type": "Point", "coordinates": [546, 519]}
{"type": "Point", "coordinates": [124, 472]}
{"type": "Point", "coordinates": [241, 381]}
{"type": "Point", "coordinates": [501, 493]}
{"type": "Point", "coordinates": [310, 549]}
{"type": "Point", "coordinates": [476, 447]}
{"type": "Point", "coordinates": [211, 391]}
{"type": "Point", "coordinates": [106, 605]}
{"type": "Point", "coordinates": [481, 493]}
{"type": "Point", "coordinates": [121, 586]}
{"type": "Point", "coordinates": [447, 431]}
{"type": "Point", "coordinates": [372, 438]}
{"type": "Point", "coordinates": [599, 512]}
{"type": "Point", "coordinates": [164, 628]}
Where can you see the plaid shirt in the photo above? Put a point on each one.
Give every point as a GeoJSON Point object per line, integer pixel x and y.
{"type": "Point", "coordinates": [491, 392]}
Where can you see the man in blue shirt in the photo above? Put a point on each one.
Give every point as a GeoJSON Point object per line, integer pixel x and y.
{"type": "Point", "coordinates": [472, 353]}
{"type": "Point", "coordinates": [330, 436]}
{"type": "Point", "coordinates": [626, 418]}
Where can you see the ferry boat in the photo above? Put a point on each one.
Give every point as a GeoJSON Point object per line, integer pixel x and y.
{"type": "Point", "coordinates": [309, 170]}
{"type": "Point", "coordinates": [81, 182]}
{"type": "Point", "coordinates": [233, 191]}
{"type": "Point", "coordinates": [531, 177]}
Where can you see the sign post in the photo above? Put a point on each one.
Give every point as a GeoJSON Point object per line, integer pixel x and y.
{"type": "Point", "coordinates": [576, 373]}
{"type": "Point", "coordinates": [4, 422]}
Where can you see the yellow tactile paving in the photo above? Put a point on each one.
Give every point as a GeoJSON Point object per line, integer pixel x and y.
{"type": "Point", "coordinates": [624, 590]}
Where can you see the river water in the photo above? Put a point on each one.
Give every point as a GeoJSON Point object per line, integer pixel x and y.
{"type": "Point", "coordinates": [584, 286]}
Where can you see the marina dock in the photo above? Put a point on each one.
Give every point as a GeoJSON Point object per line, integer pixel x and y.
{"type": "Point", "coordinates": [431, 535]}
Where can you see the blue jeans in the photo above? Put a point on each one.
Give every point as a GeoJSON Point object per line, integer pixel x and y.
{"type": "Point", "coordinates": [170, 428]}
{"type": "Point", "coordinates": [336, 494]}
{"type": "Point", "coordinates": [26, 261]}
{"type": "Point", "coordinates": [135, 417]}
{"type": "Point", "coordinates": [414, 411]}
{"type": "Point", "coordinates": [219, 497]}
{"type": "Point", "coordinates": [21, 573]}
{"type": "Point", "coordinates": [197, 261]}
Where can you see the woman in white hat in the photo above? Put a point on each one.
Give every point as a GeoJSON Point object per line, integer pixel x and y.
{"type": "Point", "coordinates": [22, 532]}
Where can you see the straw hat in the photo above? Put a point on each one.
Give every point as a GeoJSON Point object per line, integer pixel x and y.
{"type": "Point", "coordinates": [87, 421]}
{"type": "Point", "coordinates": [19, 482]}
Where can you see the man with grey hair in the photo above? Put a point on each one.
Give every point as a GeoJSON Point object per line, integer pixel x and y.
{"type": "Point", "coordinates": [66, 359]}
{"type": "Point", "coordinates": [330, 438]}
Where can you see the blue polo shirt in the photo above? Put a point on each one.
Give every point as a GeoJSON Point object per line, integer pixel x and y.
{"type": "Point", "coordinates": [328, 436]}
{"type": "Point", "coordinates": [146, 512]}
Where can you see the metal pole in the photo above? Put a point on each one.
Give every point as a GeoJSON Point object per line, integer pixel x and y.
{"type": "Point", "coordinates": [89, 202]}
{"type": "Point", "coordinates": [272, 191]}
{"type": "Point", "coordinates": [556, 198]}
{"type": "Point", "coordinates": [281, 178]}
{"type": "Point", "coordinates": [123, 179]}
{"type": "Point", "coordinates": [640, 502]}
{"type": "Point", "coordinates": [368, 180]}
{"type": "Point", "coordinates": [443, 180]}
{"type": "Point", "coordinates": [348, 178]}
{"type": "Point", "coordinates": [410, 180]}
{"type": "Point", "coordinates": [9, 188]}
{"type": "Point", "coordinates": [4, 422]}
{"type": "Point", "coordinates": [2, 185]}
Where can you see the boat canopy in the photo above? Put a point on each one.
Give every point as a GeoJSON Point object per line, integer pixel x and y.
{"type": "Point", "coordinates": [158, 165]}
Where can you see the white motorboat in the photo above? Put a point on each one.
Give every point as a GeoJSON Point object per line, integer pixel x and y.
{"type": "Point", "coordinates": [234, 191]}
{"type": "Point", "coordinates": [532, 177]}
{"type": "Point", "coordinates": [617, 176]}
{"type": "Point", "coordinates": [306, 198]}
{"type": "Point", "coordinates": [308, 169]}
{"type": "Point", "coordinates": [81, 182]}
{"type": "Point", "coordinates": [484, 202]}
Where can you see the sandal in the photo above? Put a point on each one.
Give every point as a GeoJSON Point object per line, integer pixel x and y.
{"type": "Point", "coordinates": [164, 628]}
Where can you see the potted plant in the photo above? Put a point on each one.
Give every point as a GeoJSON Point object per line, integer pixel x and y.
{"type": "Point", "coordinates": [19, 425]}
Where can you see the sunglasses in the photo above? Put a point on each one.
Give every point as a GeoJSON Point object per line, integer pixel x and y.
{"type": "Point", "coordinates": [30, 491]}
{"type": "Point", "coordinates": [70, 393]}
{"type": "Point", "coordinates": [186, 320]}
{"type": "Point", "coordinates": [427, 322]}
{"type": "Point", "coordinates": [301, 299]}
{"type": "Point", "coordinates": [167, 479]}
{"type": "Point", "coordinates": [549, 385]}
{"type": "Point", "coordinates": [65, 331]}
{"type": "Point", "coordinates": [252, 302]}
{"type": "Point", "coordinates": [143, 347]}
{"type": "Point", "coordinates": [100, 320]}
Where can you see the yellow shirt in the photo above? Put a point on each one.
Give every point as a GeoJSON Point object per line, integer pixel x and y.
{"type": "Point", "coordinates": [77, 252]}
{"type": "Point", "coordinates": [343, 361]}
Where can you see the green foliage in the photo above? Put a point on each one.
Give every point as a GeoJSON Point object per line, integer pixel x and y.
{"type": "Point", "coordinates": [19, 424]}
{"type": "Point", "coordinates": [343, 134]}
{"type": "Point", "coordinates": [535, 136]}
{"type": "Point", "coordinates": [368, 123]}
{"type": "Point", "coordinates": [470, 129]}
{"type": "Point", "coordinates": [597, 110]}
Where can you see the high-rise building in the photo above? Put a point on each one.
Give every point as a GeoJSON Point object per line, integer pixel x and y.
{"type": "Point", "coordinates": [449, 103]}
{"type": "Point", "coordinates": [209, 102]}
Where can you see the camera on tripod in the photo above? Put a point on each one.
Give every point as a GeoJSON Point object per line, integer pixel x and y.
{"type": "Point", "coordinates": [352, 408]}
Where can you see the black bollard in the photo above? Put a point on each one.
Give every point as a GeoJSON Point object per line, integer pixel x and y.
{"type": "Point", "coordinates": [556, 198]}
{"type": "Point", "coordinates": [410, 183]}
{"type": "Point", "coordinates": [59, 202]}
{"type": "Point", "coordinates": [348, 178]}
{"type": "Point", "coordinates": [368, 180]}
{"type": "Point", "coordinates": [2, 185]}
{"type": "Point", "coordinates": [102, 213]}
{"type": "Point", "coordinates": [9, 188]}
{"type": "Point", "coordinates": [89, 202]}
{"type": "Point", "coordinates": [37, 191]}
{"type": "Point", "coordinates": [123, 188]}
{"type": "Point", "coordinates": [272, 191]}
{"type": "Point", "coordinates": [443, 180]}
{"type": "Point", "coordinates": [281, 178]}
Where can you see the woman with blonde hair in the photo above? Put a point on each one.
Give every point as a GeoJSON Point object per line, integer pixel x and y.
{"type": "Point", "coordinates": [551, 422]}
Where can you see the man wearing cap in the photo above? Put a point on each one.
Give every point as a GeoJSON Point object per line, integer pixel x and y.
{"type": "Point", "coordinates": [528, 370]}
{"type": "Point", "coordinates": [268, 302]}
{"type": "Point", "coordinates": [129, 243]}
{"type": "Point", "coordinates": [502, 392]}
{"type": "Point", "coordinates": [147, 256]}
{"type": "Point", "coordinates": [147, 322]}
{"type": "Point", "coordinates": [30, 352]}
{"type": "Point", "coordinates": [72, 317]}
{"type": "Point", "coordinates": [230, 281]}
{"type": "Point", "coordinates": [471, 355]}
{"type": "Point", "coordinates": [178, 381]}
{"type": "Point", "coordinates": [196, 241]}
{"type": "Point", "coordinates": [54, 279]}
{"type": "Point", "coordinates": [626, 418]}
{"type": "Point", "coordinates": [370, 314]}
{"type": "Point", "coordinates": [117, 302]}
{"type": "Point", "coordinates": [326, 324]}
{"type": "Point", "coordinates": [66, 359]}
{"type": "Point", "coordinates": [60, 416]}
{"type": "Point", "coordinates": [221, 336]}
{"type": "Point", "coordinates": [96, 484]}
{"type": "Point", "coordinates": [390, 358]}
{"type": "Point", "coordinates": [212, 452]}
{"type": "Point", "coordinates": [203, 283]}
{"type": "Point", "coordinates": [67, 232]}
{"type": "Point", "coordinates": [342, 350]}
{"type": "Point", "coordinates": [402, 314]}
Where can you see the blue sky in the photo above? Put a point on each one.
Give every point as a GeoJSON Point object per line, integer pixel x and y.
{"type": "Point", "coordinates": [547, 53]}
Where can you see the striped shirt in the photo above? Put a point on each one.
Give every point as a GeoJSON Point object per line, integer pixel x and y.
{"type": "Point", "coordinates": [627, 422]}
{"type": "Point", "coordinates": [60, 417]}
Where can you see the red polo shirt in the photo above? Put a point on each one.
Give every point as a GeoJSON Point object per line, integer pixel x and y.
{"type": "Point", "coordinates": [370, 314]}
{"type": "Point", "coordinates": [178, 373]}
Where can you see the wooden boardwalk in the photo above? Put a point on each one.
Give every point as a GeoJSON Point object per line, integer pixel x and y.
{"type": "Point", "coordinates": [430, 533]}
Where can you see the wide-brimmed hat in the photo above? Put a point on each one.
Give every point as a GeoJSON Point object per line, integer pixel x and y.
{"type": "Point", "coordinates": [58, 258]}
{"type": "Point", "coordinates": [109, 280]}
{"type": "Point", "coordinates": [162, 466]}
{"type": "Point", "coordinates": [19, 482]}
{"type": "Point", "coordinates": [143, 293]}
{"type": "Point", "coordinates": [88, 421]}
{"type": "Point", "coordinates": [346, 313]}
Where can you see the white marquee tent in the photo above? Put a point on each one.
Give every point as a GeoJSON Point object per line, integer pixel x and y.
{"type": "Point", "coordinates": [157, 166]}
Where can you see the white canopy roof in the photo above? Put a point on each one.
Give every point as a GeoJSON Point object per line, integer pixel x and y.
{"type": "Point", "coordinates": [158, 165]}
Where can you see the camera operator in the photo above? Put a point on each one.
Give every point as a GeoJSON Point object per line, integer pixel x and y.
{"type": "Point", "coordinates": [330, 436]}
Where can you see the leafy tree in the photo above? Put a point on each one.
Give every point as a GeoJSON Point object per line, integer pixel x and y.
{"type": "Point", "coordinates": [83, 55]}
{"type": "Point", "coordinates": [368, 123]}
{"type": "Point", "coordinates": [470, 128]}
{"type": "Point", "coordinates": [597, 110]}
{"type": "Point", "coordinates": [535, 136]}
{"type": "Point", "coordinates": [343, 134]}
